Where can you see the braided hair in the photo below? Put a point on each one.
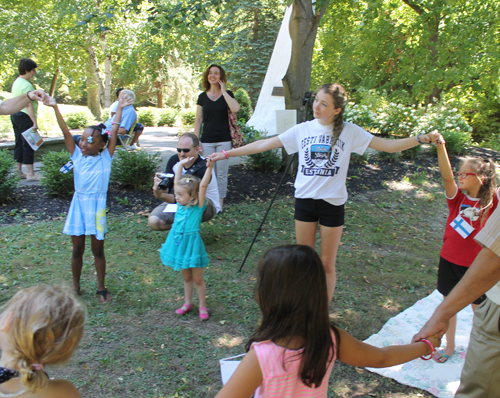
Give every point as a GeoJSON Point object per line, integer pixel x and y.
{"type": "Point", "coordinates": [339, 97]}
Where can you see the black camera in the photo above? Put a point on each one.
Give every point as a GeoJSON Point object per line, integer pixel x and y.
{"type": "Point", "coordinates": [167, 181]}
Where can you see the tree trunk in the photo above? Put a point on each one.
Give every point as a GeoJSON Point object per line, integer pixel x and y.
{"type": "Point", "coordinates": [159, 94]}
{"type": "Point", "coordinates": [303, 29]}
{"type": "Point", "coordinates": [93, 101]}
{"type": "Point", "coordinates": [53, 84]}
{"type": "Point", "coordinates": [94, 62]}
{"type": "Point", "coordinates": [107, 71]}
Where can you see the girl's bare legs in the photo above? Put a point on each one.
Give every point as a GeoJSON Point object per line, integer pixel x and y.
{"type": "Point", "coordinates": [77, 260]}
{"type": "Point", "coordinates": [99, 262]}
{"type": "Point", "coordinates": [199, 281]}
{"type": "Point", "coordinates": [450, 338]}
{"type": "Point", "coordinates": [188, 286]}
{"type": "Point", "coordinates": [330, 241]}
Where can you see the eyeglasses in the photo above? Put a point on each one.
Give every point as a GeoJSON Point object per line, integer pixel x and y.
{"type": "Point", "coordinates": [185, 150]}
{"type": "Point", "coordinates": [464, 175]}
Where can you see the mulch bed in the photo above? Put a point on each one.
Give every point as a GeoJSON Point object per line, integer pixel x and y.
{"type": "Point", "coordinates": [32, 203]}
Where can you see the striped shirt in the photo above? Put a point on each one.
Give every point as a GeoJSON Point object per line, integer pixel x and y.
{"type": "Point", "coordinates": [489, 237]}
{"type": "Point", "coordinates": [285, 382]}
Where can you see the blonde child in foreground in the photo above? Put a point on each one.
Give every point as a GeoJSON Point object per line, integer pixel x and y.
{"type": "Point", "coordinates": [470, 203]}
{"type": "Point", "coordinates": [184, 249]}
{"type": "Point", "coordinates": [293, 350]}
{"type": "Point", "coordinates": [40, 326]}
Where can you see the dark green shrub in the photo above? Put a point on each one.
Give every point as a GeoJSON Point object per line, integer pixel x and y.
{"type": "Point", "coordinates": [359, 159]}
{"type": "Point", "coordinates": [188, 117]}
{"type": "Point", "coordinates": [264, 161]}
{"type": "Point", "coordinates": [148, 117]}
{"type": "Point", "coordinates": [246, 111]}
{"type": "Point", "coordinates": [411, 153]}
{"type": "Point", "coordinates": [55, 181]}
{"type": "Point", "coordinates": [136, 169]}
{"type": "Point", "coordinates": [166, 117]}
{"type": "Point", "coordinates": [457, 142]}
{"type": "Point", "coordinates": [8, 175]}
{"type": "Point", "coordinates": [79, 119]}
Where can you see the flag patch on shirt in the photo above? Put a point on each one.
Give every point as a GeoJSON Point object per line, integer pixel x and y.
{"type": "Point", "coordinates": [462, 227]}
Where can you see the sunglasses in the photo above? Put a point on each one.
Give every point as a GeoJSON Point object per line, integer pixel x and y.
{"type": "Point", "coordinates": [464, 175]}
{"type": "Point", "coordinates": [185, 150]}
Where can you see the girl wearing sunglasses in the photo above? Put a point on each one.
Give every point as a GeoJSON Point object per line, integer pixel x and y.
{"type": "Point", "coordinates": [470, 204]}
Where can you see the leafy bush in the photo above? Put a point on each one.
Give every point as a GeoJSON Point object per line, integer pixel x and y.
{"type": "Point", "coordinates": [411, 153]}
{"type": "Point", "coordinates": [361, 115]}
{"type": "Point", "coordinates": [55, 181]}
{"type": "Point", "coordinates": [166, 117]}
{"type": "Point", "coordinates": [264, 161]}
{"type": "Point", "coordinates": [246, 111]}
{"type": "Point", "coordinates": [105, 114]}
{"type": "Point", "coordinates": [188, 117]}
{"type": "Point", "coordinates": [79, 119]}
{"type": "Point", "coordinates": [359, 159]}
{"type": "Point", "coordinates": [148, 117]}
{"type": "Point", "coordinates": [136, 169]}
{"type": "Point", "coordinates": [388, 157]}
{"type": "Point", "coordinates": [397, 119]}
{"type": "Point", "coordinates": [8, 175]}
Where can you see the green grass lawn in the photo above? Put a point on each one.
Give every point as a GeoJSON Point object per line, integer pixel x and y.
{"type": "Point", "coordinates": [137, 346]}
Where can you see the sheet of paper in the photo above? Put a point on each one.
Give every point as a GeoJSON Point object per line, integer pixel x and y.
{"type": "Point", "coordinates": [170, 208]}
{"type": "Point", "coordinates": [33, 138]}
{"type": "Point", "coordinates": [228, 366]}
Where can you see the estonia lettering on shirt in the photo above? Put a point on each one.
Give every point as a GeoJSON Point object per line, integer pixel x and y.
{"type": "Point", "coordinates": [318, 157]}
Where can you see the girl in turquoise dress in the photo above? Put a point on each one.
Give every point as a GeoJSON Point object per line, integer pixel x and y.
{"type": "Point", "coordinates": [184, 249]}
{"type": "Point", "coordinates": [87, 212]}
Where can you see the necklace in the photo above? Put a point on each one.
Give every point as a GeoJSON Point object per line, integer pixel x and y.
{"type": "Point", "coordinates": [212, 95]}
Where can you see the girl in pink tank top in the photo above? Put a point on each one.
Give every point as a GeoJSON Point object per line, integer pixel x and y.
{"type": "Point", "coordinates": [292, 352]}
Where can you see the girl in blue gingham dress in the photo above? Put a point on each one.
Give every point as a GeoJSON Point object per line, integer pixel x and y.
{"type": "Point", "coordinates": [87, 213]}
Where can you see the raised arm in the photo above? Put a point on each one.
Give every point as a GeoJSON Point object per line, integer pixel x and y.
{"type": "Point", "coordinates": [14, 105]}
{"type": "Point", "coordinates": [356, 353]}
{"type": "Point", "coordinates": [204, 182]}
{"type": "Point", "coordinates": [68, 138]}
{"type": "Point", "coordinates": [391, 146]}
{"type": "Point", "coordinates": [198, 121]}
{"type": "Point", "coordinates": [450, 186]}
{"type": "Point", "coordinates": [250, 149]}
{"type": "Point", "coordinates": [122, 103]}
{"type": "Point", "coordinates": [231, 102]}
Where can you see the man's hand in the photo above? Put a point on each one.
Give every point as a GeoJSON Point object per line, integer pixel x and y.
{"type": "Point", "coordinates": [435, 325]}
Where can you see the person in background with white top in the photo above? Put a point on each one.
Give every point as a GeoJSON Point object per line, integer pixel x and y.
{"type": "Point", "coordinates": [324, 145]}
{"type": "Point", "coordinates": [481, 372]}
{"type": "Point", "coordinates": [25, 119]}
{"type": "Point", "coordinates": [138, 129]}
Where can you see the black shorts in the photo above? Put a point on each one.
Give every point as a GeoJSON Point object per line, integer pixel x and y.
{"type": "Point", "coordinates": [314, 210]}
{"type": "Point", "coordinates": [449, 275]}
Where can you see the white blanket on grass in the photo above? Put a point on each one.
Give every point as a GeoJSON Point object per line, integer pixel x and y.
{"type": "Point", "coordinates": [440, 379]}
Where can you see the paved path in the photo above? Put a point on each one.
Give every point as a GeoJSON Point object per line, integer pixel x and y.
{"type": "Point", "coordinates": [153, 139]}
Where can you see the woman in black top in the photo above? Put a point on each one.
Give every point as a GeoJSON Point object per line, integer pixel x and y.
{"type": "Point", "coordinates": [212, 112]}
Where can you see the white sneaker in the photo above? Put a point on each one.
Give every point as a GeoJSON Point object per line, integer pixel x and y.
{"type": "Point", "coordinates": [133, 147]}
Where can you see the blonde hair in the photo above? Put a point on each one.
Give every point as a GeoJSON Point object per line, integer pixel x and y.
{"type": "Point", "coordinates": [45, 326]}
{"type": "Point", "coordinates": [192, 185]}
{"type": "Point", "coordinates": [128, 93]}
{"type": "Point", "coordinates": [485, 171]}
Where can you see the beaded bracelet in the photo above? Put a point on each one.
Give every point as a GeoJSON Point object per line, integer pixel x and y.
{"type": "Point", "coordinates": [225, 154]}
{"type": "Point", "coordinates": [432, 349]}
{"type": "Point", "coordinates": [119, 124]}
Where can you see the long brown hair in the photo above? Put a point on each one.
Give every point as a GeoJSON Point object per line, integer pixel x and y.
{"type": "Point", "coordinates": [204, 78]}
{"type": "Point", "coordinates": [339, 97]}
{"type": "Point", "coordinates": [292, 294]}
{"type": "Point", "coordinates": [486, 173]}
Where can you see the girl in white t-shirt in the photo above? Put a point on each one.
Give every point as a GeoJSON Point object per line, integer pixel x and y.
{"type": "Point", "coordinates": [324, 146]}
